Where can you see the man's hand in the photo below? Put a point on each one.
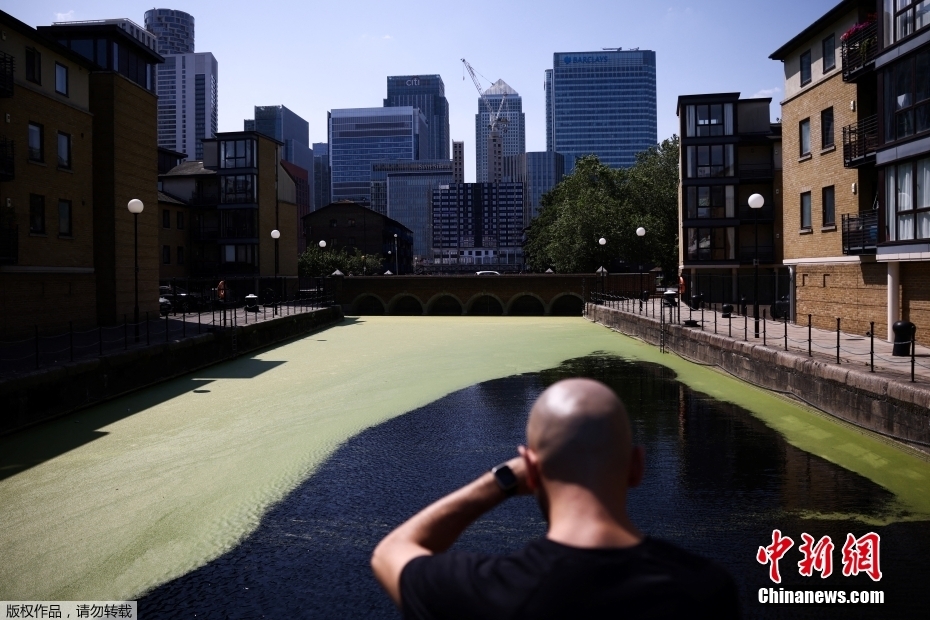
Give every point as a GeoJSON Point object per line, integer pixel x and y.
{"type": "Point", "coordinates": [435, 528]}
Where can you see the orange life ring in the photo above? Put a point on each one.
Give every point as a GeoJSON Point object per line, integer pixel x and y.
{"type": "Point", "coordinates": [681, 285]}
{"type": "Point", "coordinates": [221, 290]}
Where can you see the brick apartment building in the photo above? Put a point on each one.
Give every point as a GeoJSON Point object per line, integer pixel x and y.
{"type": "Point", "coordinates": [856, 120]}
{"type": "Point", "coordinates": [77, 143]}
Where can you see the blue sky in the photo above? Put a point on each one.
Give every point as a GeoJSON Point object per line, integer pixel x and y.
{"type": "Point", "coordinates": [314, 56]}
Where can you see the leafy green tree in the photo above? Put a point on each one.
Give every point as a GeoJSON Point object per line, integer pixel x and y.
{"type": "Point", "coordinates": [317, 261]}
{"type": "Point", "coordinates": [597, 202]}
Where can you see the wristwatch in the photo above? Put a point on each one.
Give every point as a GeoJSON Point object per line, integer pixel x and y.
{"type": "Point", "coordinates": [505, 479]}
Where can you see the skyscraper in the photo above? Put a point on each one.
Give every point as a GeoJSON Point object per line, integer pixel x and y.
{"type": "Point", "coordinates": [428, 93]}
{"type": "Point", "coordinates": [601, 103]}
{"type": "Point", "coordinates": [322, 179]}
{"type": "Point", "coordinates": [513, 140]}
{"type": "Point", "coordinates": [458, 162]}
{"type": "Point", "coordinates": [360, 136]}
{"type": "Point", "coordinates": [280, 123]}
{"type": "Point", "coordinates": [539, 172]}
{"type": "Point", "coordinates": [187, 85]}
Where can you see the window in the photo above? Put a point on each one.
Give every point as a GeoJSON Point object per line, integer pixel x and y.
{"type": "Point", "coordinates": [805, 67]}
{"type": "Point", "coordinates": [180, 220]}
{"type": "Point", "coordinates": [829, 206]}
{"type": "Point", "coordinates": [826, 128]}
{"type": "Point", "coordinates": [33, 65]}
{"type": "Point", "coordinates": [180, 255]}
{"type": "Point", "coordinates": [907, 200]}
{"type": "Point", "coordinates": [166, 254]}
{"type": "Point", "coordinates": [806, 210]}
{"type": "Point", "coordinates": [351, 222]}
{"type": "Point", "coordinates": [64, 150]}
{"type": "Point", "coordinates": [237, 188]}
{"type": "Point", "coordinates": [237, 154]}
{"type": "Point", "coordinates": [36, 214]}
{"type": "Point", "coordinates": [247, 254]}
{"type": "Point", "coordinates": [805, 135]}
{"type": "Point", "coordinates": [332, 223]}
{"type": "Point", "coordinates": [166, 218]}
{"type": "Point", "coordinates": [908, 17]}
{"type": "Point", "coordinates": [712, 243]}
{"type": "Point", "coordinates": [710, 161]}
{"type": "Point", "coordinates": [61, 79]}
{"type": "Point", "coordinates": [36, 135]}
{"type": "Point", "coordinates": [709, 120]}
{"type": "Point", "coordinates": [907, 97]}
{"type": "Point", "coordinates": [829, 53]}
{"type": "Point", "coordinates": [711, 202]}
{"type": "Point", "coordinates": [64, 218]}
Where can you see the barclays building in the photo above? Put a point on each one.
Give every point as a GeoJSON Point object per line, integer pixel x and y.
{"type": "Point", "coordinates": [601, 103]}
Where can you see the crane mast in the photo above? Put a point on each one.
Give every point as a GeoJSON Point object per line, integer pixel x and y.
{"type": "Point", "coordinates": [497, 122]}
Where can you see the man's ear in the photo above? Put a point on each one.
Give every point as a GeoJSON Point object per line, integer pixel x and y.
{"type": "Point", "coordinates": [532, 467]}
{"type": "Point", "coordinates": [637, 466]}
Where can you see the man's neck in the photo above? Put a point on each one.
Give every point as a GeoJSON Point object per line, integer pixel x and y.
{"type": "Point", "coordinates": [578, 518]}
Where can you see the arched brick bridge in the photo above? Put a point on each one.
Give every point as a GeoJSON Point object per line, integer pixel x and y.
{"type": "Point", "coordinates": [521, 295]}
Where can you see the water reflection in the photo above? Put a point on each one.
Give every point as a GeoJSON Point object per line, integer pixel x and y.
{"type": "Point", "coordinates": [718, 482]}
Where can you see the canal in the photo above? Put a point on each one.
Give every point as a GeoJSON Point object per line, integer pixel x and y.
{"type": "Point", "coordinates": [261, 485]}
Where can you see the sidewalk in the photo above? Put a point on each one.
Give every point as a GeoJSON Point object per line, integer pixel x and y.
{"type": "Point", "coordinates": [854, 349]}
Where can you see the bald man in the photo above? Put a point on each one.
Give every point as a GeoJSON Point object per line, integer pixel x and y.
{"type": "Point", "coordinates": [579, 461]}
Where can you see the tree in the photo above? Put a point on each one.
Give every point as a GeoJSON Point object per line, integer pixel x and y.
{"type": "Point", "coordinates": [596, 201]}
{"type": "Point", "coordinates": [317, 261]}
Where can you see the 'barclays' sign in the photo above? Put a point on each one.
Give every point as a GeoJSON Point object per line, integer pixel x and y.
{"type": "Point", "coordinates": [584, 59]}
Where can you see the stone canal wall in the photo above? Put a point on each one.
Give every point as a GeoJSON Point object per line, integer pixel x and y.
{"type": "Point", "coordinates": [897, 409]}
{"type": "Point", "coordinates": [51, 392]}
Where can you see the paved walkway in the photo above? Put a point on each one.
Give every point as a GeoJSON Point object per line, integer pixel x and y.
{"type": "Point", "coordinates": [854, 349]}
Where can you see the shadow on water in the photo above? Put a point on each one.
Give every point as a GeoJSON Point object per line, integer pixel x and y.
{"type": "Point", "coordinates": [718, 482]}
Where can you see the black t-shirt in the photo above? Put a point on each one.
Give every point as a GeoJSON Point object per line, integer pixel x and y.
{"type": "Point", "coordinates": [546, 579]}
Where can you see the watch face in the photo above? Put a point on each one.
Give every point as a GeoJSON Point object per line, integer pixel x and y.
{"type": "Point", "coordinates": [505, 477]}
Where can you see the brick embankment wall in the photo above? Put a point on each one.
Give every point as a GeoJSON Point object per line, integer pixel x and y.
{"type": "Point", "coordinates": [52, 392]}
{"type": "Point", "coordinates": [894, 408]}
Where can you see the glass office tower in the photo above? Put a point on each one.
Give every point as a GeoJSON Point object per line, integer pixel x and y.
{"type": "Point", "coordinates": [428, 93]}
{"type": "Point", "coordinates": [602, 103]}
{"type": "Point", "coordinates": [514, 138]}
{"type": "Point", "coordinates": [280, 123]}
{"type": "Point", "coordinates": [322, 192]}
{"type": "Point", "coordinates": [360, 136]}
{"type": "Point", "coordinates": [539, 171]}
{"type": "Point", "coordinates": [403, 190]}
{"type": "Point", "coordinates": [174, 29]}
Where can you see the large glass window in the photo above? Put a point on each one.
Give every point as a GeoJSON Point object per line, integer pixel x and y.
{"type": "Point", "coordinates": [712, 243]}
{"type": "Point", "coordinates": [33, 65]}
{"type": "Point", "coordinates": [826, 128]}
{"type": "Point", "coordinates": [709, 120]}
{"type": "Point", "coordinates": [64, 150]}
{"type": "Point", "coordinates": [64, 218]}
{"type": "Point", "coordinates": [829, 53]}
{"type": "Point", "coordinates": [907, 97]}
{"type": "Point", "coordinates": [710, 161]}
{"type": "Point", "coordinates": [247, 254]}
{"type": "Point", "coordinates": [806, 210]}
{"type": "Point", "coordinates": [61, 79]}
{"type": "Point", "coordinates": [829, 206]}
{"type": "Point", "coordinates": [804, 130]}
{"type": "Point", "coordinates": [907, 200]}
{"type": "Point", "coordinates": [237, 188]}
{"type": "Point", "coordinates": [36, 214]}
{"type": "Point", "coordinates": [908, 16]}
{"type": "Point", "coordinates": [711, 202]}
{"type": "Point", "coordinates": [805, 67]}
{"type": "Point", "coordinates": [237, 154]}
{"type": "Point", "coordinates": [36, 150]}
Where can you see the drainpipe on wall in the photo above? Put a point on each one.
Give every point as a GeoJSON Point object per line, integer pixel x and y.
{"type": "Point", "coordinates": [792, 294]}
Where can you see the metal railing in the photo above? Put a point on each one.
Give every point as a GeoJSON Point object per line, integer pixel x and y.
{"type": "Point", "coordinates": [858, 49]}
{"type": "Point", "coordinates": [7, 159]}
{"type": "Point", "coordinates": [7, 65]}
{"type": "Point", "coordinates": [764, 253]}
{"type": "Point", "coordinates": [860, 140]}
{"type": "Point", "coordinates": [860, 233]}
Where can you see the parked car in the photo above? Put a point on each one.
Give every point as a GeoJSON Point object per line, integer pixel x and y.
{"type": "Point", "coordinates": [164, 306]}
{"type": "Point", "coordinates": [487, 273]}
{"type": "Point", "coordinates": [781, 308]}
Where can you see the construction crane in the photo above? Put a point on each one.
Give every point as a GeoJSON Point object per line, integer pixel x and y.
{"type": "Point", "coordinates": [497, 122]}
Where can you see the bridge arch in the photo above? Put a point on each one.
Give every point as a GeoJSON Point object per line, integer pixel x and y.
{"type": "Point", "coordinates": [445, 304]}
{"type": "Point", "coordinates": [526, 304]}
{"type": "Point", "coordinates": [405, 304]}
{"type": "Point", "coordinates": [485, 304]}
{"type": "Point", "coordinates": [566, 304]}
{"type": "Point", "coordinates": [367, 304]}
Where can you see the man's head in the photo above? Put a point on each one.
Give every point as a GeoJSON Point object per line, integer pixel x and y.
{"type": "Point", "coordinates": [578, 433]}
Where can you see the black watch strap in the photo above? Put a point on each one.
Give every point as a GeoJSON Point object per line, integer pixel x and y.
{"type": "Point", "coordinates": [505, 479]}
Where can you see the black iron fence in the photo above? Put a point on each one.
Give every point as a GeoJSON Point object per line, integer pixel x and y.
{"type": "Point", "coordinates": [860, 140]}
{"type": "Point", "coordinates": [860, 233]}
{"type": "Point", "coordinates": [858, 49]}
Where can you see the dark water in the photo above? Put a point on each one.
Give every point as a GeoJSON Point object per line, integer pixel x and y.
{"type": "Point", "coordinates": [717, 482]}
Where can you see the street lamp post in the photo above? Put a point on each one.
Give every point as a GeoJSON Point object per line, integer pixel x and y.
{"type": "Point", "coordinates": [322, 268]}
{"type": "Point", "coordinates": [641, 232]}
{"type": "Point", "coordinates": [755, 203]}
{"type": "Point", "coordinates": [276, 234]}
{"type": "Point", "coordinates": [602, 242]}
{"type": "Point", "coordinates": [396, 257]}
{"type": "Point", "coordinates": [135, 207]}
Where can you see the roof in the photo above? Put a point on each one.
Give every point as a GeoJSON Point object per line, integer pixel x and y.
{"type": "Point", "coordinates": [707, 97]}
{"type": "Point", "coordinates": [500, 87]}
{"type": "Point", "coordinates": [163, 197]}
{"type": "Point", "coordinates": [188, 168]}
{"type": "Point", "coordinates": [28, 31]}
{"type": "Point", "coordinates": [820, 24]}
{"type": "Point", "coordinates": [349, 203]}
{"type": "Point", "coordinates": [294, 171]}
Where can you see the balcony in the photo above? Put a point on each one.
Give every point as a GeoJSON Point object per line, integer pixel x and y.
{"type": "Point", "coordinates": [755, 171]}
{"type": "Point", "coordinates": [7, 153]}
{"type": "Point", "coordinates": [765, 254]}
{"type": "Point", "coordinates": [6, 75]}
{"type": "Point", "coordinates": [860, 233]}
{"type": "Point", "coordinates": [860, 140]}
{"type": "Point", "coordinates": [858, 50]}
{"type": "Point", "coordinates": [9, 245]}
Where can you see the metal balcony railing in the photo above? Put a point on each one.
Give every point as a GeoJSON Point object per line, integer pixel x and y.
{"type": "Point", "coordinates": [858, 49]}
{"type": "Point", "coordinates": [860, 233]}
{"type": "Point", "coordinates": [860, 141]}
{"type": "Point", "coordinates": [764, 253]}
{"type": "Point", "coordinates": [7, 159]}
{"type": "Point", "coordinates": [6, 75]}
{"type": "Point", "coordinates": [9, 245]}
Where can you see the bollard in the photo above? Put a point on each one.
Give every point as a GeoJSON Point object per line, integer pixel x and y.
{"type": "Point", "coordinates": [786, 332]}
{"type": "Point", "coordinates": [809, 336]}
{"type": "Point", "coordinates": [837, 340]}
{"type": "Point", "coordinates": [715, 319]}
{"type": "Point", "coordinates": [702, 317]}
{"type": "Point", "coordinates": [872, 346]}
{"type": "Point", "coordinates": [37, 344]}
{"type": "Point", "coordinates": [746, 327]}
{"type": "Point", "coordinates": [764, 342]}
{"type": "Point", "coordinates": [730, 326]}
{"type": "Point", "coordinates": [913, 350]}
{"type": "Point", "coordinates": [125, 334]}
{"type": "Point", "coordinates": [71, 338]}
